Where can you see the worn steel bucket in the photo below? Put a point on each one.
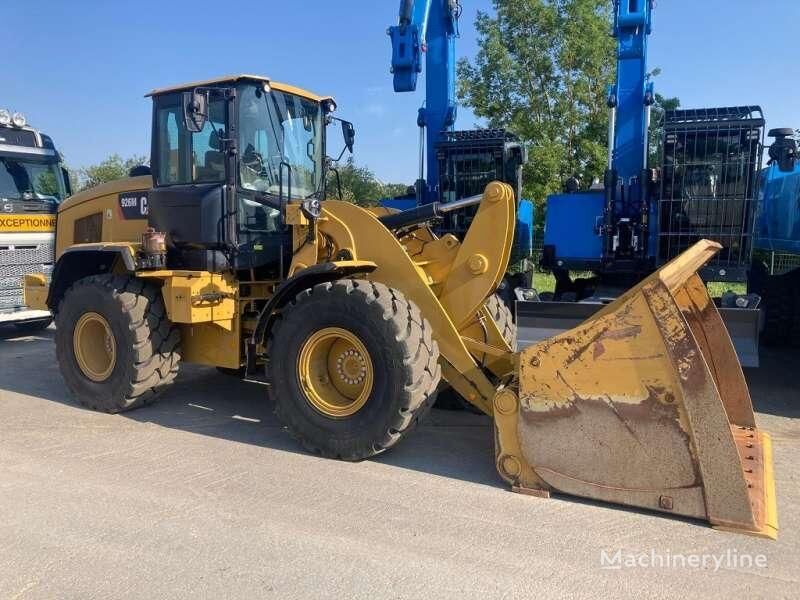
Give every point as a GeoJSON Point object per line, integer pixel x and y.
{"type": "Point", "coordinates": [643, 404]}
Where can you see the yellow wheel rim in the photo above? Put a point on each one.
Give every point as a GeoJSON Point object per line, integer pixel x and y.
{"type": "Point", "coordinates": [335, 372]}
{"type": "Point", "coordinates": [95, 347]}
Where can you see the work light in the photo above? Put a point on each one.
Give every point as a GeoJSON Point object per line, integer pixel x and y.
{"type": "Point", "coordinates": [18, 119]}
{"type": "Point", "coordinates": [5, 117]}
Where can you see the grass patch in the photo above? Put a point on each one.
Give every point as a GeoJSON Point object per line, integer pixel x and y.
{"type": "Point", "coordinates": [545, 282]}
{"type": "Point", "coordinates": [717, 288]}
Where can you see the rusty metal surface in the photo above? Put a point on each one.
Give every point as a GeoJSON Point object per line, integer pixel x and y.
{"type": "Point", "coordinates": [537, 321]}
{"type": "Point", "coordinates": [600, 405]}
{"type": "Point", "coordinates": [638, 406]}
{"type": "Point", "coordinates": [717, 349]}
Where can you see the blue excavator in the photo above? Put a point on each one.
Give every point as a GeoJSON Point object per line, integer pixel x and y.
{"type": "Point", "coordinates": [699, 180]}
{"type": "Point", "coordinates": [453, 164]}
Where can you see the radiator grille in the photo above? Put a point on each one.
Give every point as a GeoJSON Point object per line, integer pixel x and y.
{"type": "Point", "coordinates": [26, 254]}
{"type": "Point", "coordinates": [18, 261]}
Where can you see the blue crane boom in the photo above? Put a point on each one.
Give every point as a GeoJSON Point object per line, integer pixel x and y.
{"type": "Point", "coordinates": [704, 186]}
{"type": "Point", "coordinates": [632, 96]}
{"type": "Point", "coordinates": [428, 29]}
{"type": "Point", "coordinates": [612, 230]}
{"type": "Point", "coordinates": [627, 196]}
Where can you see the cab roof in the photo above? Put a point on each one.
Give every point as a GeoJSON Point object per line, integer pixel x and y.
{"type": "Point", "coordinates": [232, 79]}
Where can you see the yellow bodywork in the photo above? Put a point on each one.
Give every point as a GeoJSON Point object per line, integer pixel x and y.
{"type": "Point", "coordinates": [94, 216]}
{"type": "Point", "coordinates": [232, 79]}
{"type": "Point", "coordinates": [643, 404]}
{"type": "Point", "coordinates": [34, 291]}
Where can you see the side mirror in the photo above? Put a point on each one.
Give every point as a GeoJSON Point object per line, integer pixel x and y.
{"type": "Point", "coordinates": [349, 134]}
{"type": "Point", "coordinates": [195, 111]}
{"type": "Point", "coordinates": [67, 182]}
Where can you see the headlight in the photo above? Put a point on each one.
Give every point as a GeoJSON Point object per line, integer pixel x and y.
{"type": "Point", "coordinates": [5, 117]}
{"type": "Point", "coordinates": [18, 119]}
{"type": "Point", "coordinates": [328, 106]}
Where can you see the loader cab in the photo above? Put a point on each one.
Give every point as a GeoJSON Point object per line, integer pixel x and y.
{"type": "Point", "coordinates": [227, 155]}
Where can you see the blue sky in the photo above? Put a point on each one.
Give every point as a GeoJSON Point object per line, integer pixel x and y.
{"type": "Point", "coordinates": [80, 69]}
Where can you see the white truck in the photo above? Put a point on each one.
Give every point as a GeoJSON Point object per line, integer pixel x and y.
{"type": "Point", "coordinates": [32, 184]}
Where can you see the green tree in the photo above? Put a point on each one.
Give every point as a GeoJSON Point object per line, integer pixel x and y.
{"type": "Point", "coordinates": [47, 184]}
{"type": "Point", "coordinates": [661, 105]}
{"type": "Point", "coordinates": [360, 186]}
{"type": "Point", "coordinates": [114, 167]}
{"type": "Point", "coordinates": [542, 71]}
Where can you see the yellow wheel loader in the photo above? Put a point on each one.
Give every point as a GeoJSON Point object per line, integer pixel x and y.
{"type": "Point", "coordinates": [225, 253]}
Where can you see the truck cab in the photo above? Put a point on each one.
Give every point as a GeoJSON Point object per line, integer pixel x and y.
{"type": "Point", "coordinates": [33, 183]}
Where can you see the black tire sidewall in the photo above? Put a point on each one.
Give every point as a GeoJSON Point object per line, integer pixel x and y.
{"type": "Point", "coordinates": [94, 296]}
{"type": "Point", "coordinates": [357, 433]}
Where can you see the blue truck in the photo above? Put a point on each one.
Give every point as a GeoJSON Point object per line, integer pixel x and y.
{"type": "Point", "coordinates": [778, 236]}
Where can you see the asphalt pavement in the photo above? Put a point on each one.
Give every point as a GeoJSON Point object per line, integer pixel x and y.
{"type": "Point", "coordinates": [204, 496]}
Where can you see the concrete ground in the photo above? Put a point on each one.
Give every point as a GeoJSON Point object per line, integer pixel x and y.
{"type": "Point", "coordinates": [204, 496]}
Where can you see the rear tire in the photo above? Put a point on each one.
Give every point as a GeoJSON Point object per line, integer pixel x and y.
{"type": "Point", "coordinates": [116, 348]}
{"type": "Point", "coordinates": [393, 384]}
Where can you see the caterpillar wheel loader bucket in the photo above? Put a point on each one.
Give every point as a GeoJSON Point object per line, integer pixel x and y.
{"type": "Point", "coordinates": [644, 404]}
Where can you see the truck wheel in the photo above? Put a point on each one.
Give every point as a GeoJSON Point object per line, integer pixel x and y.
{"type": "Point", "coordinates": [352, 368]}
{"type": "Point", "coordinates": [34, 326]}
{"type": "Point", "coordinates": [794, 282]}
{"type": "Point", "coordinates": [777, 303]}
{"type": "Point", "coordinates": [449, 399]}
{"type": "Point", "coordinates": [115, 346]}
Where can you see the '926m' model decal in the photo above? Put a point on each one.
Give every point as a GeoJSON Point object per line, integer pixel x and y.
{"type": "Point", "coordinates": [133, 205]}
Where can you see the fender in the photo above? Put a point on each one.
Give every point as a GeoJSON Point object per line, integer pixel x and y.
{"type": "Point", "coordinates": [85, 260]}
{"type": "Point", "coordinates": [303, 280]}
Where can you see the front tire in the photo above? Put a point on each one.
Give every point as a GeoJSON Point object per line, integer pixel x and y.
{"type": "Point", "coordinates": [352, 368]}
{"type": "Point", "coordinates": [116, 348]}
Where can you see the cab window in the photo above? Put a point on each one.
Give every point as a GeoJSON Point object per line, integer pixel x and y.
{"type": "Point", "coordinates": [185, 157]}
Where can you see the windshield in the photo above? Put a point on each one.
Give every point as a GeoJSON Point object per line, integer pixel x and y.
{"type": "Point", "coordinates": [279, 133]}
{"type": "Point", "coordinates": [22, 179]}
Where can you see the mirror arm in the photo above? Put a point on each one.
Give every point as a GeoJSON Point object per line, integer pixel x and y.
{"type": "Point", "coordinates": [338, 182]}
